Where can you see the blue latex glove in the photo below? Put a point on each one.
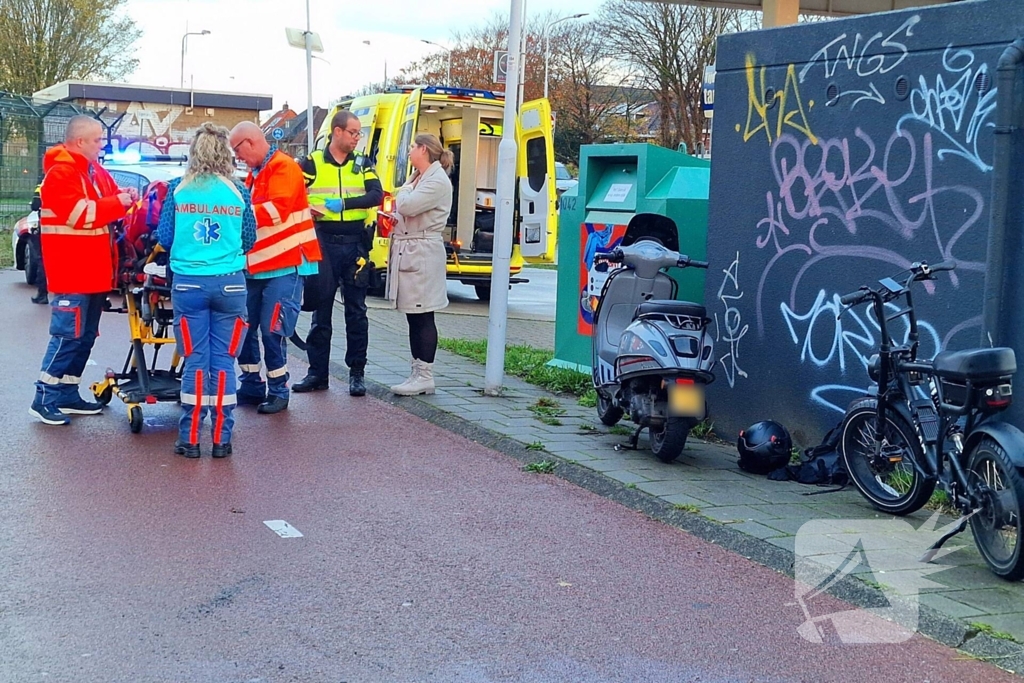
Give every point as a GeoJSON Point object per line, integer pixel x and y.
{"type": "Point", "coordinates": [333, 205]}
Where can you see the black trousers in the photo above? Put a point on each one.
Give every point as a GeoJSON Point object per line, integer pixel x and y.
{"type": "Point", "coordinates": [353, 280]}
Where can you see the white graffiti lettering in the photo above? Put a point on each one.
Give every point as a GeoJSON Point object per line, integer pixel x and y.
{"type": "Point", "coordinates": [732, 321]}
{"type": "Point", "coordinates": [847, 338]}
{"type": "Point", "coordinates": [889, 53]}
{"type": "Point", "coordinates": [959, 110]}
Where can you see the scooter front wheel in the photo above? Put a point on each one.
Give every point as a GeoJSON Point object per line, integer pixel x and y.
{"type": "Point", "coordinates": [668, 442]}
{"type": "Point", "coordinates": [607, 411]}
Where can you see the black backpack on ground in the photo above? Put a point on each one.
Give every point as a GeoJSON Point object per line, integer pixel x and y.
{"type": "Point", "coordinates": [821, 465]}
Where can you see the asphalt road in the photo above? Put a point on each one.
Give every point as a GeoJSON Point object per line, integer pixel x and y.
{"type": "Point", "coordinates": [424, 556]}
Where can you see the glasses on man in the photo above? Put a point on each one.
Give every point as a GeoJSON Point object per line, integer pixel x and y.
{"type": "Point", "coordinates": [242, 142]}
{"type": "Point", "coordinates": [357, 133]}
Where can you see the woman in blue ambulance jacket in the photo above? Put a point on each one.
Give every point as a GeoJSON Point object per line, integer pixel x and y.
{"type": "Point", "coordinates": [207, 225]}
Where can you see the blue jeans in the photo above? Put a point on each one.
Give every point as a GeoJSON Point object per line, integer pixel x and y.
{"type": "Point", "coordinates": [74, 326]}
{"type": "Point", "coordinates": [209, 326]}
{"type": "Point", "coordinates": [273, 305]}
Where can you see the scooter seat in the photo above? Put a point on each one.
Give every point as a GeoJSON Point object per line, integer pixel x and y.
{"type": "Point", "coordinates": [975, 364]}
{"type": "Point", "coordinates": [670, 307]}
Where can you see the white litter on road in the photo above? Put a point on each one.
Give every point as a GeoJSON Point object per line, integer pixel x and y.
{"type": "Point", "coordinates": [283, 528]}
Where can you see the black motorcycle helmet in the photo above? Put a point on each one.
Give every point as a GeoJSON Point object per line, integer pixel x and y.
{"type": "Point", "coordinates": [764, 447]}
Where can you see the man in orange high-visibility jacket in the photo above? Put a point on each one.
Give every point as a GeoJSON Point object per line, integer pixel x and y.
{"type": "Point", "coordinates": [79, 200]}
{"type": "Point", "coordinates": [286, 249]}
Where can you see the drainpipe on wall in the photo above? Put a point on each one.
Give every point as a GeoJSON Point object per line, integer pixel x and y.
{"type": "Point", "coordinates": [1003, 270]}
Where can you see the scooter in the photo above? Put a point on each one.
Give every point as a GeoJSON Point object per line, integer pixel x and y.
{"type": "Point", "coordinates": [652, 355]}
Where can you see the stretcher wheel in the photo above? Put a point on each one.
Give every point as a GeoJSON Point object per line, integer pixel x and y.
{"type": "Point", "coordinates": [135, 419]}
{"type": "Point", "coordinates": [104, 396]}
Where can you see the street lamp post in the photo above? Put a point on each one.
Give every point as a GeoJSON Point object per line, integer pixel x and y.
{"type": "Point", "coordinates": [367, 43]}
{"type": "Point", "coordinates": [547, 45]}
{"type": "Point", "coordinates": [448, 81]}
{"type": "Point", "coordinates": [184, 40]}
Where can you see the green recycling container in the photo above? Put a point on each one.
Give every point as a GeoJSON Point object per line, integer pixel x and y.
{"type": "Point", "coordinates": [616, 182]}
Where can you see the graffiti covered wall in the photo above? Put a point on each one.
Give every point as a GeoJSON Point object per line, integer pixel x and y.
{"type": "Point", "coordinates": [845, 151]}
{"type": "Point", "coordinates": [156, 128]}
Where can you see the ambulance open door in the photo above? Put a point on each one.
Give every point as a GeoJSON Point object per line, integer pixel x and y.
{"type": "Point", "coordinates": [537, 192]}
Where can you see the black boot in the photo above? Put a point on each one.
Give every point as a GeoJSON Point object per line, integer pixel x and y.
{"type": "Point", "coordinates": [310, 383]}
{"type": "Point", "coordinates": [274, 404]}
{"type": "Point", "coordinates": [221, 450]}
{"type": "Point", "coordinates": [41, 298]}
{"type": "Point", "coordinates": [189, 450]}
{"type": "Point", "coordinates": [356, 385]}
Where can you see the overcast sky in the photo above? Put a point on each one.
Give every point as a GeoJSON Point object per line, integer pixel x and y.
{"type": "Point", "coordinates": [246, 50]}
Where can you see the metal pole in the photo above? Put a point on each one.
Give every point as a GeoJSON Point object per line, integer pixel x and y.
{"type": "Point", "coordinates": [181, 83]}
{"type": "Point", "coordinates": [547, 57]}
{"type": "Point", "coordinates": [309, 85]}
{"type": "Point", "coordinates": [522, 52]}
{"type": "Point", "coordinates": [494, 371]}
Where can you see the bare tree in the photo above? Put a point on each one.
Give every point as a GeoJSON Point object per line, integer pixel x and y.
{"type": "Point", "coordinates": [43, 42]}
{"type": "Point", "coordinates": [580, 65]}
{"type": "Point", "coordinates": [669, 45]}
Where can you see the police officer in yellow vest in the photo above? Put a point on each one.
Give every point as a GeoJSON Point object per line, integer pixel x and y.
{"type": "Point", "coordinates": [343, 193]}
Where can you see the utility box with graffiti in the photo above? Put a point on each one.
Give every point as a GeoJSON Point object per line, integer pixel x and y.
{"type": "Point", "coordinates": [617, 182]}
{"type": "Point", "coordinates": [846, 150]}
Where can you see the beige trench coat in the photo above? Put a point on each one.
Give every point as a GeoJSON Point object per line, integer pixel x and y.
{"type": "Point", "coordinates": [416, 280]}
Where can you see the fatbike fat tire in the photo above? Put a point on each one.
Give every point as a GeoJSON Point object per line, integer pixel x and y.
{"type": "Point", "coordinates": [1010, 568]}
{"type": "Point", "coordinates": [668, 443]}
{"type": "Point", "coordinates": [607, 411]}
{"type": "Point", "coordinates": [861, 416]}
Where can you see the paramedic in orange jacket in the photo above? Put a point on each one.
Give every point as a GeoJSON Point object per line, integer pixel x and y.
{"type": "Point", "coordinates": [79, 200]}
{"type": "Point", "coordinates": [286, 249]}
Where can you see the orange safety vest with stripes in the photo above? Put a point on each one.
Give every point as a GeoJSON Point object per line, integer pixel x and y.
{"type": "Point", "coordinates": [284, 225]}
{"type": "Point", "coordinates": [79, 200]}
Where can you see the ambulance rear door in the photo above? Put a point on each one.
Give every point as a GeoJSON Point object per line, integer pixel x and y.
{"type": "Point", "coordinates": [407, 132]}
{"type": "Point", "coordinates": [538, 225]}
{"type": "Point", "coordinates": [366, 110]}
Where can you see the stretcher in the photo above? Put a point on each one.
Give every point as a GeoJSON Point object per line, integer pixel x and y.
{"type": "Point", "coordinates": [144, 285]}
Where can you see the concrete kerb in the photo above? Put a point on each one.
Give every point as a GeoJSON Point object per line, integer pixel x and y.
{"type": "Point", "coordinates": [931, 622]}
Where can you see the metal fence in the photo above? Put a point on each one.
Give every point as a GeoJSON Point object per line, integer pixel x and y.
{"type": "Point", "coordinates": [27, 129]}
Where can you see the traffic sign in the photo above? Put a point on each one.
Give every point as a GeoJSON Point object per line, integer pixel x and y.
{"type": "Point", "coordinates": [277, 133]}
{"type": "Point", "coordinates": [708, 91]}
{"type": "Point", "coordinates": [500, 65]}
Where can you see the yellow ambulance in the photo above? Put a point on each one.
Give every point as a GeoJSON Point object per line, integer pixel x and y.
{"type": "Point", "coordinates": [469, 123]}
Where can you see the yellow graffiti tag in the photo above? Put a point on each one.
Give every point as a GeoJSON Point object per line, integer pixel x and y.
{"type": "Point", "coordinates": [792, 112]}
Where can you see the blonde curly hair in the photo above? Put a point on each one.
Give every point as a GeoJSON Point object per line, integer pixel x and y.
{"type": "Point", "coordinates": [210, 153]}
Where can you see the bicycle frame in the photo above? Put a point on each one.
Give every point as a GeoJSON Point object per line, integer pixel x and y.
{"type": "Point", "coordinates": [932, 419]}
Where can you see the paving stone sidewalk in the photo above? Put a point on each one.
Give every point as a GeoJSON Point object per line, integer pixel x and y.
{"type": "Point", "coordinates": [706, 480]}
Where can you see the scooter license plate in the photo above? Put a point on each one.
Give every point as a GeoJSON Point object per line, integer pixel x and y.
{"type": "Point", "coordinates": [686, 400]}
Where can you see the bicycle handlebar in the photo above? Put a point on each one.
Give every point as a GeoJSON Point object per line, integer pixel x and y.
{"type": "Point", "coordinates": [854, 298]}
{"type": "Point", "coordinates": [918, 272]}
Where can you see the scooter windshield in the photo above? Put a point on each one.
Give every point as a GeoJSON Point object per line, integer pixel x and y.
{"type": "Point", "coordinates": [652, 226]}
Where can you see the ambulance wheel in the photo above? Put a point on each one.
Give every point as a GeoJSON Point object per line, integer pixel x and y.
{"type": "Point", "coordinates": [135, 419]}
{"type": "Point", "coordinates": [483, 292]}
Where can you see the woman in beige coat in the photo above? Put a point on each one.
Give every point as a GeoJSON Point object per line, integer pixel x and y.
{"type": "Point", "coordinates": [416, 280]}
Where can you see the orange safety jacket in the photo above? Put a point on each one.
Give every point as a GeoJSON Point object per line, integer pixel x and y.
{"type": "Point", "coordinates": [79, 200]}
{"type": "Point", "coordinates": [284, 225]}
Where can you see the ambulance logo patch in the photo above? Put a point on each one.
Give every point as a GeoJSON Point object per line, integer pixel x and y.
{"type": "Point", "coordinates": [207, 231]}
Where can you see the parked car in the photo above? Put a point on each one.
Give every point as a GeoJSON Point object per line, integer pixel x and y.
{"type": "Point", "coordinates": [563, 179]}
{"type": "Point", "coordinates": [129, 170]}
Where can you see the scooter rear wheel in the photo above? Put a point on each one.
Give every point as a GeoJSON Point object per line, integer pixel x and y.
{"type": "Point", "coordinates": [607, 411]}
{"type": "Point", "coordinates": [668, 443]}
